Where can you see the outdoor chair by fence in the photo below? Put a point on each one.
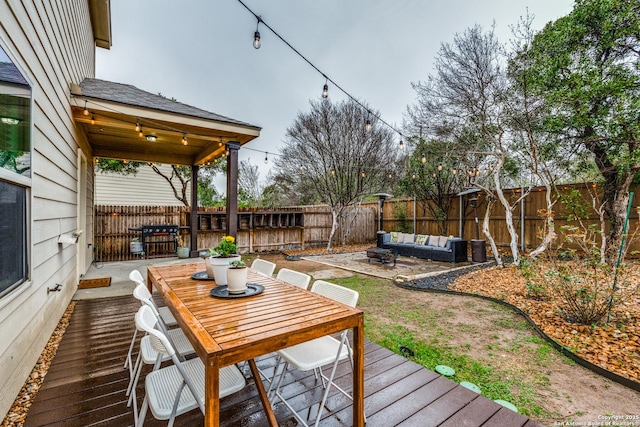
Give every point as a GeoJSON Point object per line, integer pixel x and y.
{"type": "Point", "coordinates": [165, 388]}
{"type": "Point", "coordinates": [293, 277]}
{"type": "Point", "coordinates": [147, 355]}
{"type": "Point", "coordinates": [318, 352]}
{"type": "Point", "coordinates": [263, 267]}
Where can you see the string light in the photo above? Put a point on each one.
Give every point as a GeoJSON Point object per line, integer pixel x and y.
{"type": "Point", "coordinates": [325, 88]}
{"type": "Point", "coordinates": [354, 99]}
{"type": "Point", "coordinates": [137, 126]}
{"type": "Point", "coordinates": [363, 174]}
{"type": "Point", "coordinates": [454, 171]}
{"type": "Point", "coordinates": [184, 139]}
{"type": "Point", "coordinates": [424, 158]}
{"type": "Point", "coordinates": [367, 125]}
{"type": "Point", "coordinates": [333, 171]}
{"type": "Point", "coordinates": [85, 112]}
{"type": "Point", "coordinates": [401, 146]}
{"type": "Point", "coordinates": [440, 167]}
{"type": "Point", "coordinates": [266, 159]}
{"type": "Point", "coordinates": [390, 175]}
{"type": "Point", "coordinates": [140, 132]}
{"type": "Point", "coordinates": [93, 119]}
{"type": "Point", "coordinates": [256, 36]}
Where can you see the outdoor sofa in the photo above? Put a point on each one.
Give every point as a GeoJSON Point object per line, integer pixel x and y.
{"type": "Point", "coordinates": [435, 248]}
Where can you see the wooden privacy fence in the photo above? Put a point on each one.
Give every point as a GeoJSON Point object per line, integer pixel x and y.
{"type": "Point", "coordinates": [413, 216]}
{"type": "Point", "coordinates": [258, 231]}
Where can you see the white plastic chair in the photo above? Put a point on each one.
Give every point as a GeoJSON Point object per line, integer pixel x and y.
{"type": "Point", "coordinates": [144, 295]}
{"type": "Point", "coordinates": [263, 267]}
{"type": "Point", "coordinates": [167, 317]}
{"type": "Point", "coordinates": [147, 354]}
{"type": "Point", "coordinates": [293, 277]}
{"type": "Point", "coordinates": [165, 394]}
{"type": "Point", "coordinates": [318, 352]}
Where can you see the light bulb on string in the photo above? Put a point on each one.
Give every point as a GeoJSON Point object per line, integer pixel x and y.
{"type": "Point", "coordinates": [363, 174]}
{"type": "Point", "coordinates": [413, 176]}
{"type": "Point", "coordinates": [439, 166]}
{"type": "Point", "coordinates": [401, 146]}
{"type": "Point", "coordinates": [454, 171]}
{"type": "Point", "coordinates": [137, 126]}
{"type": "Point", "coordinates": [390, 175]}
{"type": "Point", "coordinates": [367, 125]}
{"type": "Point", "coordinates": [85, 112]}
{"type": "Point", "coordinates": [140, 134]}
{"type": "Point", "coordinates": [333, 171]}
{"type": "Point", "coordinates": [325, 89]}
{"type": "Point", "coordinates": [266, 159]}
{"type": "Point", "coordinates": [256, 36]}
{"type": "Point", "coordinates": [184, 139]}
{"type": "Point", "coordinates": [424, 158]}
{"type": "Point", "coordinates": [93, 119]}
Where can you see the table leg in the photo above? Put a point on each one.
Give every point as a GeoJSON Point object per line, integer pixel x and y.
{"type": "Point", "coordinates": [358, 374]}
{"type": "Point", "coordinates": [212, 393]}
{"type": "Point", "coordinates": [271, 417]}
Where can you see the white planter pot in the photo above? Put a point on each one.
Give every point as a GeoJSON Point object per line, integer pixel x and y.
{"type": "Point", "coordinates": [237, 280]}
{"type": "Point", "coordinates": [217, 268]}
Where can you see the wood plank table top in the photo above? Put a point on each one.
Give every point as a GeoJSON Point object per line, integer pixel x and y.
{"type": "Point", "coordinates": [227, 331]}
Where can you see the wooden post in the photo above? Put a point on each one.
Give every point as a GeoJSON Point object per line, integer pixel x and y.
{"type": "Point", "coordinates": [193, 223]}
{"type": "Point", "coordinates": [232, 188]}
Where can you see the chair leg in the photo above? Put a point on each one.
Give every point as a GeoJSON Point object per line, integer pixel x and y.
{"type": "Point", "coordinates": [127, 361]}
{"type": "Point", "coordinates": [134, 373]}
{"type": "Point", "coordinates": [143, 412]}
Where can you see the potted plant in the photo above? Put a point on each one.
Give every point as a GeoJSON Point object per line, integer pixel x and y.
{"type": "Point", "coordinates": [182, 250]}
{"type": "Point", "coordinates": [221, 257]}
{"type": "Point", "coordinates": [237, 277]}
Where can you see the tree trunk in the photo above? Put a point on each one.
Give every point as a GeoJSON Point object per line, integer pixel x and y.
{"type": "Point", "coordinates": [616, 199]}
{"type": "Point", "coordinates": [487, 233]}
{"type": "Point", "coordinates": [334, 227]}
{"type": "Point", "coordinates": [508, 216]}
{"type": "Point", "coordinates": [550, 234]}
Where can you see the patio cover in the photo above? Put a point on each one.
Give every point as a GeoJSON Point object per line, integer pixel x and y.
{"type": "Point", "coordinates": [114, 110]}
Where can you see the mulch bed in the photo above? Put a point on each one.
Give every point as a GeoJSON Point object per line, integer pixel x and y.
{"type": "Point", "coordinates": [614, 346]}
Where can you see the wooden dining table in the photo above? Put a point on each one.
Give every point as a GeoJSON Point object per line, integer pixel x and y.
{"type": "Point", "coordinates": [224, 331]}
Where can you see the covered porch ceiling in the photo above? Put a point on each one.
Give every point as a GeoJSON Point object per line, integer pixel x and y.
{"type": "Point", "coordinates": [108, 113]}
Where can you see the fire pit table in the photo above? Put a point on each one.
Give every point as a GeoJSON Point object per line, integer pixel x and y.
{"type": "Point", "coordinates": [386, 256]}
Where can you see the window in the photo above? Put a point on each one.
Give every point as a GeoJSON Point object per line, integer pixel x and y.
{"type": "Point", "coordinates": [15, 166]}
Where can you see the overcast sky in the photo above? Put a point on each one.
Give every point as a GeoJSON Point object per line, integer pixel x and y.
{"type": "Point", "coordinates": [200, 52]}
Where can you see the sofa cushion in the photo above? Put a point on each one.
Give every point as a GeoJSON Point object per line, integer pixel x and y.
{"type": "Point", "coordinates": [442, 241]}
{"type": "Point", "coordinates": [421, 239]}
{"type": "Point", "coordinates": [408, 238]}
{"type": "Point", "coordinates": [394, 237]}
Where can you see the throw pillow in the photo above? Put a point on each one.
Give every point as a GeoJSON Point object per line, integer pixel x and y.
{"type": "Point", "coordinates": [394, 237]}
{"type": "Point", "coordinates": [433, 240]}
{"type": "Point", "coordinates": [443, 241]}
{"type": "Point", "coordinates": [421, 239]}
{"type": "Point", "coordinates": [408, 238]}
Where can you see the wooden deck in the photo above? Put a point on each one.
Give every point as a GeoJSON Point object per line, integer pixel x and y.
{"type": "Point", "coordinates": [86, 384]}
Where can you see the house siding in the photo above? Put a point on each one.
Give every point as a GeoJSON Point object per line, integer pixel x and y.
{"type": "Point", "coordinates": [52, 44]}
{"type": "Point", "coordinates": [146, 188]}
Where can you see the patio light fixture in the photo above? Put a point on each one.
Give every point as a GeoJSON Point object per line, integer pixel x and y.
{"type": "Point", "coordinates": [85, 112]}
{"type": "Point", "coordinates": [256, 36]}
{"type": "Point", "coordinates": [151, 138]}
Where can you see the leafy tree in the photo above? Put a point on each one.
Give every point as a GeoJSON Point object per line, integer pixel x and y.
{"type": "Point", "coordinates": [330, 155]}
{"type": "Point", "coordinates": [585, 65]}
{"type": "Point", "coordinates": [206, 191]}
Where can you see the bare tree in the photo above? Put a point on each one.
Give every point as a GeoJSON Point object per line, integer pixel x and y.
{"type": "Point", "coordinates": [330, 151]}
{"type": "Point", "coordinates": [249, 187]}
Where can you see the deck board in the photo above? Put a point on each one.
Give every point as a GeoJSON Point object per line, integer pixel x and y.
{"type": "Point", "coordinates": [86, 384]}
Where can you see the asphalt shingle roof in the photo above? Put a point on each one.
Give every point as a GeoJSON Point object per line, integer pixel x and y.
{"type": "Point", "coordinates": [131, 95]}
{"type": "Point", "coordinates": [9, 73]}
